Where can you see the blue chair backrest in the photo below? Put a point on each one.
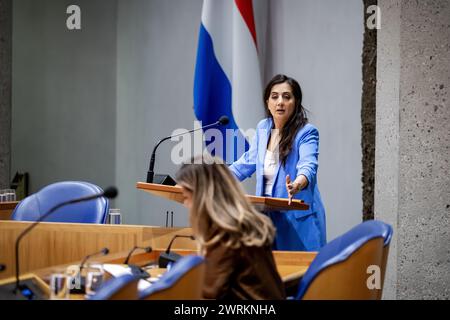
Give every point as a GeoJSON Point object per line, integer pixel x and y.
{"type": "Point", "coordinates": [341, 248]}
{"type": "Point", "coordinates": [37, 204]}
{"type": "Point", "coordinates": [114, 286]}
{"type": "Point", "coordinates": [173, 275]}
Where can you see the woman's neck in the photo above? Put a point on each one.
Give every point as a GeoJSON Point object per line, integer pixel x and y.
{"type": "Point", "coordinates": [274, 140]}
{"type": "Point", "coordinates": [278, 124]}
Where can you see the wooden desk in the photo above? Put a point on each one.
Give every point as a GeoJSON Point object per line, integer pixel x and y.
{"type": "Point", "coordinates": [6, 209]}
{"type": "Point", "coordinates": [59, 243]}
{"type": "Point", "coordinates": [56, 244]}
{"type": "Point", "coordinates": [291, 266]}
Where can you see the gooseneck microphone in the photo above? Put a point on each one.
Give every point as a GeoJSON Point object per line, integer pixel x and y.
{"type": "Point", "coordinates": [80, 286]}
{"type": "Point", "coordinates": [167, 256]}
{"type": "Point", "coordinates": [146, 249]}
{"type": "Point", "coordinates": [173, 239]}
{"type": "Point", "coordinates": [110, 193]}
{"type": "Point", "coordinates": [223, 120]}
{"type": "Point", "coordinates": [136, 270]}
{"type": "Point", "coordinates": [102, 252]}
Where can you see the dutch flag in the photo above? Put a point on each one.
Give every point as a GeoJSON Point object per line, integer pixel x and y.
{"type": "Point", "coordinates": [227, 73]}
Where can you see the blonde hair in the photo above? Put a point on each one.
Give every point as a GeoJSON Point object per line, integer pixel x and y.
{"type": "Point", "coordinates": [220, 211]}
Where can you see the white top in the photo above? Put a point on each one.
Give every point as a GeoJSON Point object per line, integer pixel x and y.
{"type": "Point", "coordinates": [270, 166]}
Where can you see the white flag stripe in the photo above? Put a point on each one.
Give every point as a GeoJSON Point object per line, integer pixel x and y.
{"type": "Point", "coordinates": [247, 104]}
{"type": "Point", "coordinates": [216, 20]}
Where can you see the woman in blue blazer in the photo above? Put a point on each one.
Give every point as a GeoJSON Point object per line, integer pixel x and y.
{"type": "Point", "coordinates": [284, 154]}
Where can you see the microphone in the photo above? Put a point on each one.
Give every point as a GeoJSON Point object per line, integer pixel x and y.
{"type": "Point", "coordinates": [165, 179]}
{"type": "Point", "coordinates": [102, 252]}
{"type": "Point", "coordinates": [2, 267]}
{"type": "Point", "coordinates": [166, 257]}
{"type": "Point", "coordinates": [80, 286]}
{"type": "Point", "coordinates": [146, 249]}
{"type": "Point", "coordinates": [136, 270]}
{"type": "Point", "coordinates": [110, 193]}
{"type": "Point", "coordinates": [223, 120]}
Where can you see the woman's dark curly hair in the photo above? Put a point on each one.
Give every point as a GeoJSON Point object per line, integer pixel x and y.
{"type": "Point", "coordinates": [295, 122]}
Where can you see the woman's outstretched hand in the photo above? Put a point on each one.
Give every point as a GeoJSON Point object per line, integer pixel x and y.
{"type": "Point", "coordinates": [291, 187]}
{"type": "Point", "coordinates": [295, 186]}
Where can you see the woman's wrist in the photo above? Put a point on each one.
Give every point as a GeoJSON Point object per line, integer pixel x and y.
{"type": "Point", "coordinates": [301, 182]}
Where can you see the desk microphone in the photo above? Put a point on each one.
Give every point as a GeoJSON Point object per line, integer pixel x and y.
{"type": "Point", "coordinates": [167, 256]}
{"type": "Point", "coordinates": [146, 249]}
{"type": "Point", "coordinates": [136, 270]}
{"type": "Point", "coordinates": [165, 179]}
{"type": "Point", "coordinates": [80, 286]}
{"type": "Point", "coordinates": [102, 252]}
{"type": "Point", "coordinates": [110, 193]}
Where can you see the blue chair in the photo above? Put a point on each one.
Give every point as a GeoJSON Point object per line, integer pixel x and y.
{"type": "Point", "coordinates": [348, 267]}
{"type": "Point", "coordinates": [121, 288]}
{"type": "Point", "coordinates": [37, 204]}
{"type": "Point", "coordinates": [183, 281]}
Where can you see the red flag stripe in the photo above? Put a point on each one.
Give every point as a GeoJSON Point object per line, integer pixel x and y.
{"type": "Point", "coordinates": [246, 9]}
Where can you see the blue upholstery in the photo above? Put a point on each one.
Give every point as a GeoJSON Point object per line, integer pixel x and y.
{"type": "Point", "coordinates": [113, 286]}
{"type": "Point", "coordinates": [172, 276]}
{"type": "Point", "coordinates": [36, 205]}
{"type": "Point", "coordinates": [341, 248]}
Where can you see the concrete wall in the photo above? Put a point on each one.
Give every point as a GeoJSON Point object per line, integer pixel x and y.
{"type": "Point", "coordinates": [156, 52]}
{"type": "Point", "coordinates": [368, 114]}
{"type": "Point", "coordinates": [412, 182]}
{"type": "Point", "coordinates": [131, 69]}
{"type": "Point", "coordinates": [64, 92]}
{"type": "Point", "coordinates": [386, 151]}
{"type": "Point", "coordinates": [5, 91]}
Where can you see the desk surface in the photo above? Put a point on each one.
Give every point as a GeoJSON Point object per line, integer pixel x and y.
{"type": "Point", "coordinates": [291, 266]}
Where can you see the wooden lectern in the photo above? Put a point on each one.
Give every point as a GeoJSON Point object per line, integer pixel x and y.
{"type": "Point", "coordinates": [261, 203]}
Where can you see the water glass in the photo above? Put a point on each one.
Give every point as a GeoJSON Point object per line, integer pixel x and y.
{"type": "Point", "coordinates": [7, 195]}
{"type": "Point", "coordinates": [59, 286]}
{"type": "Point", "coordinates": [95, 276]}
{"type": "Point", "coordinates": [73, 271]}
{"type": "Point", "coordinates": [114, 216]}
{"type": "Point", "coordinates": [11, 195]}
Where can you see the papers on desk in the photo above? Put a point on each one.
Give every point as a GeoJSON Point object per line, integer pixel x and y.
{"type": "Point", "coordinates": [143, 284]}
{"type": "Point", "coordinates": [117, 270]}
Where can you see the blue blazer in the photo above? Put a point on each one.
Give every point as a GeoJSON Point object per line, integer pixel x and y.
{"type": "Point", "coordinates": [296, 230]}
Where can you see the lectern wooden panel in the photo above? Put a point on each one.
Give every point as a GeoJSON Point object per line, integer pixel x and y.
{"type": "Point", "coordinates": [261, 203]}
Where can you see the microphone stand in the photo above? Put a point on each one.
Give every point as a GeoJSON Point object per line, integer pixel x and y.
{"type": "Point", "coordinates": [166, 257]}
{"type": "Point", "coordinates": [104, 251]}
{"type": "Point", "coordinates": [146, 249]}
{"type": "Point", "coordinates": [150, 174]}
{"type": "Point", "coordinates": [136, 270]}
{"type": "Point", "coordinates": [82, 280]}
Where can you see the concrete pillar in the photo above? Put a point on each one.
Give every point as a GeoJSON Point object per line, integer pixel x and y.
{"type": "Point", "coordinates": [5, 92]}
{"type": "Point", "coordinates": [412, 181]}
{"type": "Point", "coordinates": [368, 117]}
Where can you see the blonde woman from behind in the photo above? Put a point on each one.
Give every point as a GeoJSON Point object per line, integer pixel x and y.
{"type": "Point", "coordinates": [235, 239]}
